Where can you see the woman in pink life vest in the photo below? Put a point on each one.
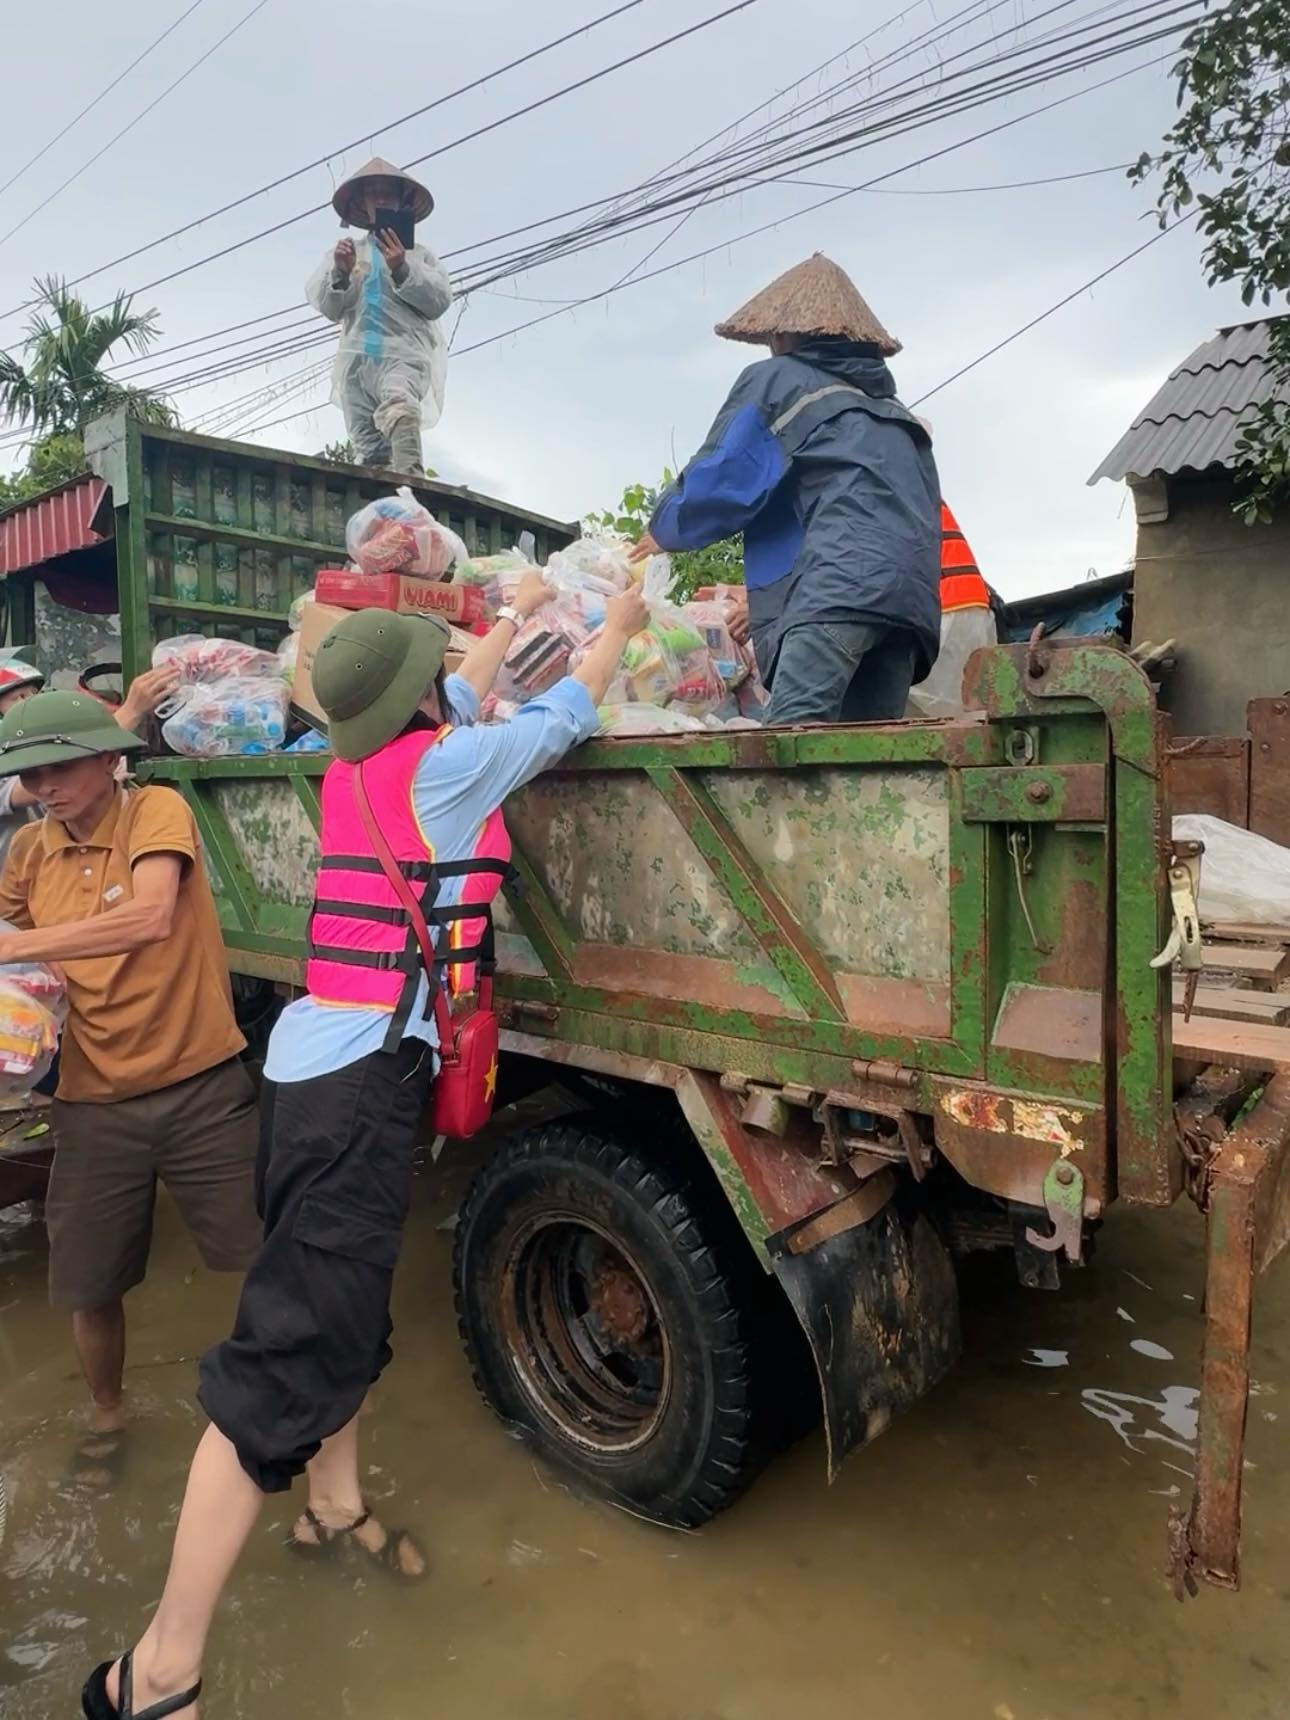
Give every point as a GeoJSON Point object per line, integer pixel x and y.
{"type": "Point", "coordinates": [347, 1076]}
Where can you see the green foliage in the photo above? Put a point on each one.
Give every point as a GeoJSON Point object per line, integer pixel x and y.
{"type": "Point", "coordinates": [54, 460]}
{"type": "Point", "coordinates": [59, 385]}
{"type": "Point", "coordinates": [1227, 159]}
{"type": "Point", "coordinates": [720, 564]}
{"type": "Point", "coordinates": [338, 453]}
{"type": "Point", "coordinates": [342, 454]}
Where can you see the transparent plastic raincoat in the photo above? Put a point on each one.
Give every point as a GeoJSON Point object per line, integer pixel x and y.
{"type": "Point", "coordinates": [392, 361]}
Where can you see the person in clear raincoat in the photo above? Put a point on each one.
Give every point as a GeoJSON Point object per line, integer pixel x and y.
{"type": "Point", "coordinates": [388, 298]}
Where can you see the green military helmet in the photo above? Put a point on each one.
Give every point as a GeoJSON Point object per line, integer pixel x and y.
{"type": "Point", "coordinates": [371, 672]}
{"type": "Point", "coordinates": [56, 727]}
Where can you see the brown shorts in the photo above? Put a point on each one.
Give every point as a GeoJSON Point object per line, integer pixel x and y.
{"type": "Point", "coordinates": [199, 1137]}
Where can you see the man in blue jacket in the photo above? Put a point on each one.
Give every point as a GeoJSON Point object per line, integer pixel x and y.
{"type": "Point", "coordinates": [833, 484]}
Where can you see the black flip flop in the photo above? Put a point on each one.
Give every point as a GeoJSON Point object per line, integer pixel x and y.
{"type": "Point", "coordinates": [98, 1458]}
{"type": "Point", "coordinates": [96, 1704]}
{"type": "Point", "coordinates": [386, 1555]}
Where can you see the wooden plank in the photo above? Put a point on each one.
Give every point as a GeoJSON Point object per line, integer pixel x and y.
{"type": "Point", "coordinates": [1247, 932]}
{"type": "Point", "coordinates": [1262, 966]}
{"type": "Point", "coordinates": [1231, 1044]}
{"type": "Point", "coordinates": [1210, 774]}
{"type": "Point", "coordinates": [1268, 721]}
{"type": "Point", "coordinates": [1236, 1005]}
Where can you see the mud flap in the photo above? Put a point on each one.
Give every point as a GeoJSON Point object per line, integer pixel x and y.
{"type": "Point", "coordinates": [1245, 1191]}
{"type": "Point", "coordinates": [879, 1305]}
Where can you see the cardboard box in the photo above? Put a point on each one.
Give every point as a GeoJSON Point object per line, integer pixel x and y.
{"type": "Point", "coordinates": [402, 592]}
{"type": "Point", "coordinates": [316, 623]}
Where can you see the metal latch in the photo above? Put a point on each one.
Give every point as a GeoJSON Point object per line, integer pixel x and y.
{"type": "Point", "coordinates": [1064, 1204]}
{"type": "Point", "coordinates": [1019, 849]}
{"type": "Point", "coordinates": [1183, 944]}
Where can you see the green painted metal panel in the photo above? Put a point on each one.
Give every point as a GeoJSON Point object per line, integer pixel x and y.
{"type": "Point", "coordinates": [220, 537]}
{"type": "Point", "coordinates": [791, 903]}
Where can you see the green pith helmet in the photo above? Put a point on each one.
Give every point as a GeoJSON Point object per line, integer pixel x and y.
{"type": "Point", "coordinates": [371, 672]}
{"type": "Point", "coordinates": [56, 727]}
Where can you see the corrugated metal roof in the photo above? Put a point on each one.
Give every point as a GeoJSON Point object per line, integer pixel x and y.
{"type": "Point", "coordinates": [50, 525]}
{"type": "Point", "coordinates": [1192, 421]}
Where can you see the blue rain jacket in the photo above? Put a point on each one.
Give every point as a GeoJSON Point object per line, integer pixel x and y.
{"type": "Point", "coordinates": [833, 484]}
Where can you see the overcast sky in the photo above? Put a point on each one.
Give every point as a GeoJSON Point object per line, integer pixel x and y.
{"type": "Point", "coordinates": [560, 417]}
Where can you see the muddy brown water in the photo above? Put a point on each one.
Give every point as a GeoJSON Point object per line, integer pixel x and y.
{"type": "Point", "coordinates": [996, 1555]}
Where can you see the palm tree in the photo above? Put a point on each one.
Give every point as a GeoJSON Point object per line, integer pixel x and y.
{"type": "Point", "coordinates": [62, 385]}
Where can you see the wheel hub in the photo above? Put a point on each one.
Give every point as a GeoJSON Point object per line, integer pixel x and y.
{"type": "Point", "coordinates": [587, 1338]}
{"type": "Point", "coordinates": [619, 1303]}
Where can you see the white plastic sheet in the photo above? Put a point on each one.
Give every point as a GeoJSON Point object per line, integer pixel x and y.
{"type": "Point", "coordinates": [1243, 877]}
{"type": "Point", "coordinates": [33, 1007]}
{"type": "Point", "coordinates": [963, 631]}
{"type": "Point", "coordinates": [395, 534]}
{"type": "Point", "coordinates": [390, 334]}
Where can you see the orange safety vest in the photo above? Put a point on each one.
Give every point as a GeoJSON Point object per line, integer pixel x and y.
{"type": "Point", "coordinates": [962, 586]}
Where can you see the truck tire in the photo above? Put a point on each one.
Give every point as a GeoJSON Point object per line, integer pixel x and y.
{"type": "Point", "coordinates": [607, 1301]}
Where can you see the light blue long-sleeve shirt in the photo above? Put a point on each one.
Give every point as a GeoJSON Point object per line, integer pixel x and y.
{"type": "Point", "coordinates": [458, 784]}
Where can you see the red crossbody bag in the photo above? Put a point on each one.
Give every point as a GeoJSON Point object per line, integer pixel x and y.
{"type": "Point", "coordinates": [465, 1086]}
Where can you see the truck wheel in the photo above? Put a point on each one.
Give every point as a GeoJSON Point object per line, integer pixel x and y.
{"type": "Point", "coordinates": [605, 1301]}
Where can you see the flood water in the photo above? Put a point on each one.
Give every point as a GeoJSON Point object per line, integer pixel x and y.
{"type": "Point", "coordinates": [997, 1554]}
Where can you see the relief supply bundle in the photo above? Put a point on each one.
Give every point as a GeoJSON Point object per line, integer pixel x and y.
{"type": "Point", "coordinates": [396, 534]}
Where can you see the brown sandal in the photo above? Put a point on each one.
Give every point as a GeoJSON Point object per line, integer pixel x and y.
{"type": "Point", "coordinates": [388, 1555]}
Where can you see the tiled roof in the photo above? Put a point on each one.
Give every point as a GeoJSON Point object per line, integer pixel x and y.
{"type": "Point", "coordinates": [1192, 421]}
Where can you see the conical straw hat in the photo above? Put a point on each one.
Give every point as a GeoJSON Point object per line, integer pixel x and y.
{"type": "Point", "coordinates": [816, 297]}
{"type": "Point", "coordinates": [346, 203]}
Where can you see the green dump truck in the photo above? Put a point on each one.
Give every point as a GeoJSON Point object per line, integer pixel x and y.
{"type": "Point", "coordinates": [841, 1004]}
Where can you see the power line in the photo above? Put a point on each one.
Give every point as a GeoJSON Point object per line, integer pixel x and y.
{"type": "Point", "coordinates": [783, 220]}
{"type": "Point", "coordinates": [284, 348]}
{"type": "Point", "coordinates": [1060, 305]}
{"type": "Point", "coordinates": [963, 370]}
{"type": "Point", "coordinates": [323, 160]}
{"type": "Point", "coordinates": [967, 190]}
{"type": "Point", "coordinates": [143, 114]}
{"type": "Point", "coordinates": [734, 184]}
{"type": "Point", "coordinates": [1185, 7]}
{"type": "Point", "coordinates": [734, 124]}
{"type": "Point", "coordinates": [455, 143]}
{"type": "Point", "coordinates": [148, 360]}
{"type": "Point", "coordinates": [296, 343]}
{"type": "Point", "coordinates": [105, 91]}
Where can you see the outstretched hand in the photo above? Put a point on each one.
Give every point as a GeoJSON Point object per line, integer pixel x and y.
{"type": "Point", "coordinates": [147, 691]}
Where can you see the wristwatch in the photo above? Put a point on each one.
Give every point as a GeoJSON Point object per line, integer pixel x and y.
{"type": "Point", "coordinates": [508, 612]}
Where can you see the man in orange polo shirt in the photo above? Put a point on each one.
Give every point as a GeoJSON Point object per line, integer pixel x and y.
{"type": "Point", "coordinates": [110, 885]}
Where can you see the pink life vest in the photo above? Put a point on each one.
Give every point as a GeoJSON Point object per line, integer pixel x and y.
{"type": "Point", "coordinates": [363, 952]}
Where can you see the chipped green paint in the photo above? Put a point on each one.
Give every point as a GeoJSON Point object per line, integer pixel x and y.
{"type": "Point", "coordinates": [1058, 681]}
{"type": "Point", "coordinates": [806, 980]}
{"type": "Point", "coordinates": [719, 901]}
{"type": "Point", "coordinates": [275, 838]}
{"type": "Point", "coordinates": [707, 1131]}
{"type": "Point", "coordinates": [884, 911]}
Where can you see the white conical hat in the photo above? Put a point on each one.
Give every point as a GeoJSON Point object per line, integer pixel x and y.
{"type": "Point", "coordinates": [346, 201]}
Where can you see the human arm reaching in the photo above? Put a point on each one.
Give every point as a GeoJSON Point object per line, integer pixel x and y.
{"type": "Point", "coordinates": [481, 663]}
{"type": "Point", "coordinates": [145, 919]}
{"type": "Point", "coordinates": [727, 483]}
{"type": "Point", "coordinates": [481, 766]}
{"type": "Point", "coordinates": [625, 615]}
{"type": "Point", "coordinates": [148, 690]}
